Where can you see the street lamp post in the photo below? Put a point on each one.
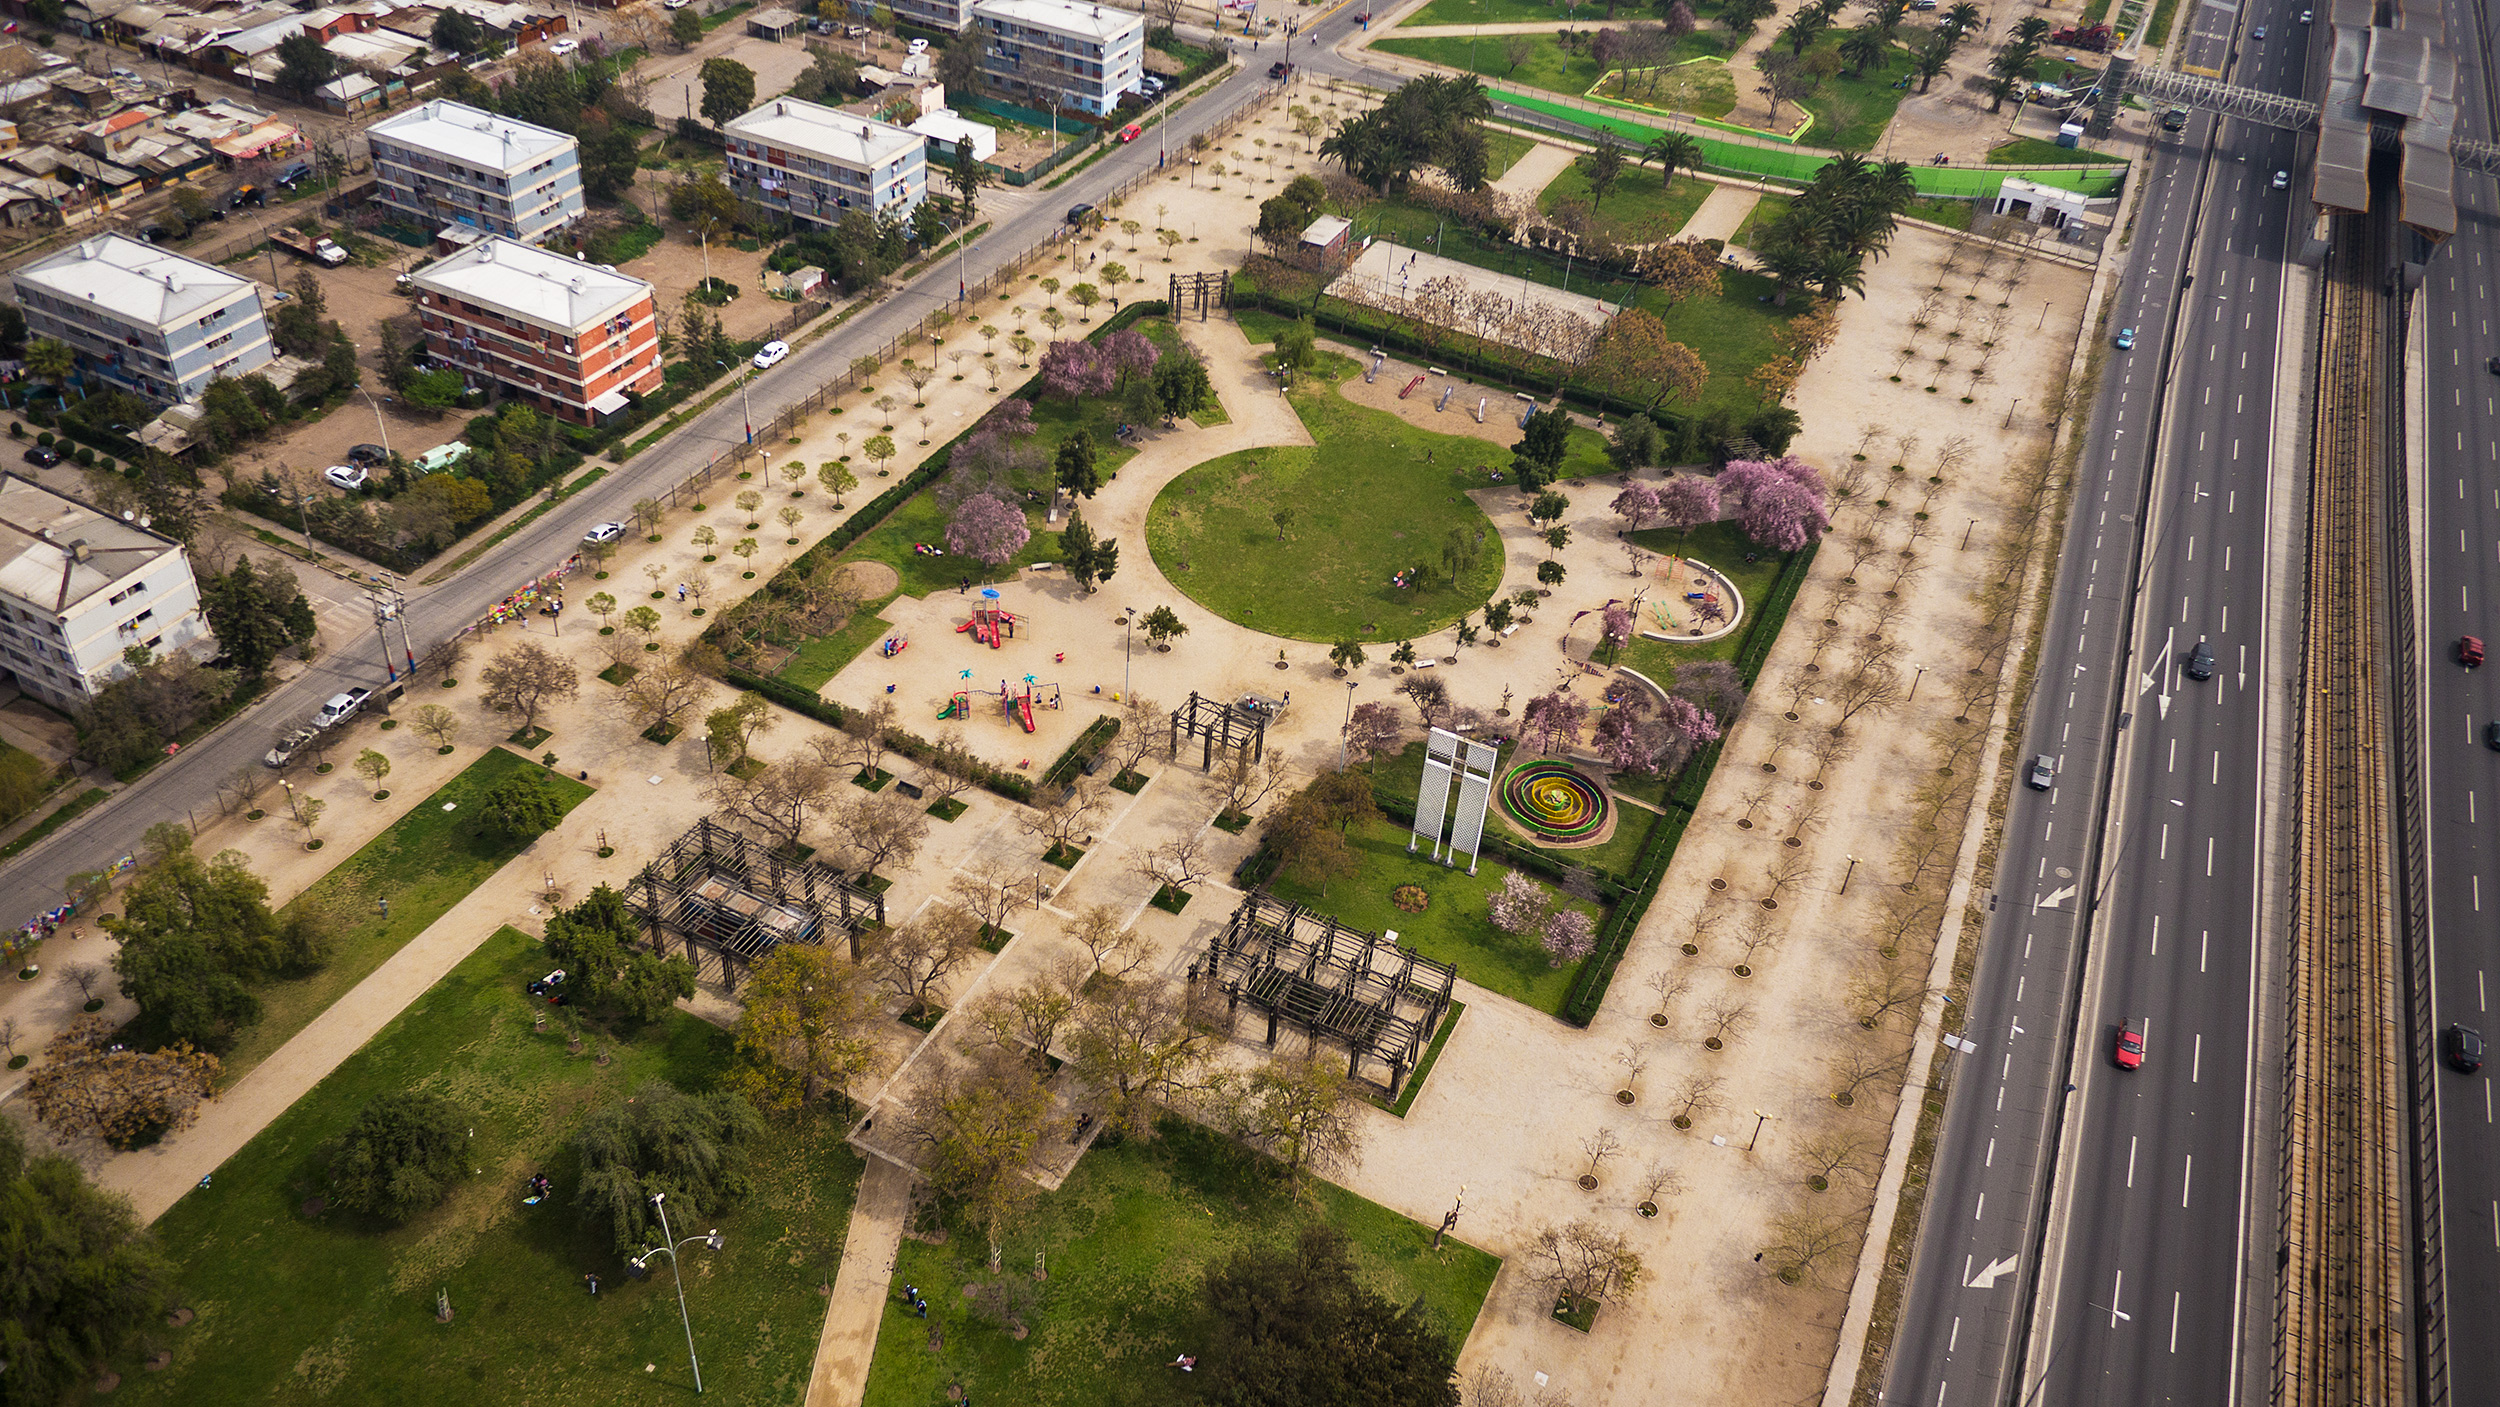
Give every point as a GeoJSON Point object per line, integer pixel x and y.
{"type": "Point", "coordinates": [1349, 724]}
{"type": "Point", "coordinates": [1849, 874]}
{"type": "Point", "coordinates": [712, 1240]}
{"type": "Point", "coordinates": [1127, 648]}
{"type": "Point", "coordinates": [1759, 1119]}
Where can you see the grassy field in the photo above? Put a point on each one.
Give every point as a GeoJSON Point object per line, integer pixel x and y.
{"type": "Point", "coordinates": [1723, 547]}
{"type": "Point", "coordinates": [828, 655]}
{"type": "Point", "coordinates": [1399, 773]}
{"type": "Point", "coordinates": [1734, 333]}
{"type": "Point", "coordinates": [1766, 210]}
{"type": "Point", "coordinates": [429, 860]}
{"type": "Point", "coordinates": [2031, 151]}
{"type": "Point", "coordinates": [299, 1305]}
{"type": "Point", "coordinates": [1546, 63]}
{"type": "Point", "coordinates": [1455, 929]}
{"type": "Point", "coordinates": [1698, 88]}
{"type": "Point", "coordinates": [1850, 114]}
{"type": "Point", "coordinates": [1502, 151]}
{"type": "Point", "coordinates": [1952, 214]}
{"type": "Point", "coordinates": [1512, 12]}
{"type": "Point", "coordinates": [1127, 1241]}
{"type": "Point", "coordinates": [1366, 506]}
{"type": "Point", "coordinates": [21, 774]}
{"type": "Point", "coordinates": [1638, 210]}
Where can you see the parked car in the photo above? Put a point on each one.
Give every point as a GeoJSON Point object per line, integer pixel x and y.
{"type": "Point", "coordinates": [1152, 85]}
{"type": "Point", "coordinates": [1132, 132]}
{"type": "Point", "coordinates": [285, 749]}
{"type": "Point", "coordinates": [346, 476]}
{"type": "Point", "coordinates": [368, 455]}
{"type": "Point", "coordinates": [2042, 774]}
{"type": "Point", "coordinates": [2469, 650]}
{"type": "Point", "coordinates": [675, 4]}
{"type": "Point", "coordinates": [1080, 215]}
{"type": "Point", "coordinates": [295, 175]}
{"type": "Point", "coordinates": [43, 456]}
{"type": "Point", "coordinates": [2200, 661]}
{"type": "Point", "coordinates": [824, 27]}
{"type": "Point", "coordinates": [341, 707]}
{"type": "Point", "coordinates": [2462, 1047]}
{"type": "Point", "coordinates": [1280, 71]}
{"type": "Point", "coordinates": [771, 354]}
{"type": "Point", "coordinates": [604, 533]}
{"type": "Point", "coordinates": [245, 195]}
{"type": "Point", "coordinates": [155, 234]}
{"type": "Point", "coordinates": [2128, 1053]}
{"type": "Point", "coordinates": [2126, 339]}
{"type": "Point", "coordinates": [2491, 735]}
{"type": "Point", "coordinates": [849, 31]}
{"type": "Point", "coordinates": [917, 46]}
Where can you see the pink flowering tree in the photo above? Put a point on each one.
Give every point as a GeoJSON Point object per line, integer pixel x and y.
{"type": "Point", "coordinates": [988, 529]}
{"type": "Point", "coordinates": [1624, 739]}
{"type": "Point", "coordinates": [1554, 720]}
{"type": "Point", "coordinates": [1521, 906]}
{"type": "Point", "coordinates": [1614, 628]}
{"type": "Point", "coordinates": [1637, 504]}
{"type": "Point", "coordinates": [1570, 935]}
{"type": "Point", "coordinates": [1689, 721]}
{"type": "Point", "coordinates": [1130, 354]}
{"type": "Point", "coordinates": [1072, 370]}
{"type": "Point", "coordinates": [1372, 729]}
{"type": "Point", "coordinates": [1686, 502]}
{"type": "Point", "coordinates": [1012, 418]}
{"type": "Point", "coordinates": [1785, 503]}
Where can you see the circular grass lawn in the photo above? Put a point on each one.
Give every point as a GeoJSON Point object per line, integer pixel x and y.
{"type": "Point", "coordinates": [1365, 506]}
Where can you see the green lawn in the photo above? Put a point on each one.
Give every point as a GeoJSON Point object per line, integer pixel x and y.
{"type": "Point", "coordinates": [1723, 547]}
{"type": "Point", "coordinates": [1766, 210]}
{"type": "Point", "coordinates": [2031, 151]}
{"type": "Point", "coordinates": [1502, 151]}
{"type": "Point", "coordinates": [1513, 12]}
{"type": "Point", "coordinates": [1735, 333]}
{"type": "Point", "coordinates": [429, 860]}
{"type": "Point", "coordinates": [1546, 64]}
{"type": "Point", "coordinates": [1638, 210]}
{"type": "Point", "coordinates": [828, 655]}
{"type": "Point", "coordinates": [1127, 1241]}
{"type": "Point", "coordinates": [1952, 214]}
{"type": "Point", "coordinates": [1455, 928]}
{"type": "Point", "coordinates": [1697, 87]}
{"type": "Point", "coordinates": [297, 1305]}
{"type": "Point", "coordinates": [1850, 114]}
{"type": "Point", "coordinates": [1399, 773]}
{"type": "Point", "coordinates": [1259, 326]}
{"type": "Point", "coordinates": [21, 774]}
{"type": "Point", "coordinates": [1366, 506]}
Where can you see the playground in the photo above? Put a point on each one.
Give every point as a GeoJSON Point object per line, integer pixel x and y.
{"type": "Point", "coordinates": [1532, 315]}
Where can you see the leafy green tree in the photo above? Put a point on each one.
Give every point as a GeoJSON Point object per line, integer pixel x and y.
{"type": "Point", "coordinates": [1295, 345]}
{"type": "Point", "coordinates": [964, 173]}
{"type": "Point", "coordinates": [686, 29]}
{"type": "Point", "coordinates": [304, 65]}
{"type": "Point", "coordinates": [728, 90]}
{"type": "Point", "coordinates": [1346, 654]}
{"type": "Point", "coordinates": [1088, 559]}
{"type": "Point", "coordinates": [1544, 439]}
{"type": "Point", "coordinates": [191, 932]}
{"type": "Point", "coordinates": [596, 943]}
{"type": "Point", "coordinates": [92, 1085]}
{"type": "Point", "coordinates": [1180, 381]}
{"type": "Point", "coordinates": [980, 1121]}
{"type": "Point", "coordinates": [693, 1148]}
{"type": "Point", "coordinates": [1602, 168]}
{"type": "Point", "coordinates": [400, 1156]}
{"type": "Point", "coordinates": [708, 208]}
{"type": "Point", "coordinates": [1076, 468]}
{"type": "Point", "coordinates": [458, 33]}
{"type": "Point", "coordinates": [86, 1278]}
{"type": "Point", "coordinates": [1743, 17]}
{"type": "Point", "coordinates": [1863, 48]}
{"type": "Point", "coordinates": [256, 610]}
{"type": "Point", "coordinates": [730, 730]}
{"type": "Point", "coordinates": [523, 806]}
{"type": "Point", "coordinates": [1163, 626]}
{"type": "Point", "coordinates": [439, 389]}
{"type": "Point", "coordinates": [1673, 151]}
{"type": "Point", "coordinates": [610, 154]}
{"type": "Point", "coordinates": [1295, 1326]}
{"type": "Point", "coordinates": [806, 1029]}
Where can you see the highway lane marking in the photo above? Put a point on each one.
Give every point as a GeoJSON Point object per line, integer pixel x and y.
{"type": "Point", "coordinates": [2186, 1179]}
{"type": "Point", "coordinates": [2165, 841]}
{"type": "Point", "coordinates": [2486, 1101]}
{"type": "Point", "coordinates": [2216, 779]}
{"type": "Point", "coordinates": [1990, 1161]}
{"type": "Point", "coordinates": [2201, 938]}
{"type": "Point", "coordinates": [2174, 1321]}
{"type": "Point", "coordinates": [2130, 1160]}
{"type": "Point", "coordinates": [2209, 857]}
{"type": "Point", "coordinates": [2173, 764]}
{"type": "Point", "coordinates": [2479, 1004]}
{"type": "Point", "coordinates": [2196, 1059]}
{"type": "Point", "coordinates": [1980, 1212]}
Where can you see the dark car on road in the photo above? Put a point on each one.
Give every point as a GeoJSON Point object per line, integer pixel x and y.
{"type": "Point", "coordinates": [367, 455]}
{"type": "Point", "coordinates": [2469, 650]}
{"type": "Point", "coordinates": [2491, 735]}
{"type": "Point", "coordinates": [2462, 1048]}
{"type": "Point", "coordinates": [43, 455]}
{"type": "Point", "coordinates": [2200, 661]}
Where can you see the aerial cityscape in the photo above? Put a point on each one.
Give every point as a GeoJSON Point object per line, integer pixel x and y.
{"type": "Point", "coordinates": [1476, 703]}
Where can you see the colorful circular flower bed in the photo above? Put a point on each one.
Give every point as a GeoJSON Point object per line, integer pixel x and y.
{"type": "Point", "coordinates": [1554, 800]}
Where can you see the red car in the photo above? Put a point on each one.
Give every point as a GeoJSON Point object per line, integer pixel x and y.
{"type": "Point", "coordinates": [1131, 132]}
{"type": "Point", "coordinates": [2129, 1052]}
{"type": "Point", "coordinates": [2469, 651]}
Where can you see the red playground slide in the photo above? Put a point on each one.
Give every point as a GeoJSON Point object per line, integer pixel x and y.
{"type": "Point", "coordinates": [1024, 711]}
{"type": "Point", "coordinates": [1411, 385]}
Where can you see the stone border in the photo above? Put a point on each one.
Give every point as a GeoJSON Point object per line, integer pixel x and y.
{"type": "Point", "coordinates": [1735, 617]}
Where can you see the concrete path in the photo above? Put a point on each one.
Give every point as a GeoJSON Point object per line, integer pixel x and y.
{"type": "Point", "coordinates": [1531, 174]}
{"type": "Point", "coordinates": [857, 1307]}
{"type": "Point", "coordinates": [1721, 214]}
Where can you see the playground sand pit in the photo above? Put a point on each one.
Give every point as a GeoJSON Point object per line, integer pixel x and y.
{"type": "Point", "coordinates": [1693, 602]}
{"type": "Point", "coordinates": [941, 662]}
{"type": "Point", "coordinates": [1529, 315]}
{"type": "Point", "coordinates": [874, 581]}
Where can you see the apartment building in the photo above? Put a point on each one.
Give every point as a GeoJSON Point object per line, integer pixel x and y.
{"type": "Point", "coordinates": [446, 163]}
{"type": "Point", "coordinates": [145, 319]}
{"type": "Point", "coordinates": [815, 162]}
{"type": "Point", "coordinates": [1058, 52]}
{"type": "Point", "coordinates": [944, 16]}
{"type": "Point", "coordinates": [572, 338]}
{"type": "Point", "coordinates": [78, 587]}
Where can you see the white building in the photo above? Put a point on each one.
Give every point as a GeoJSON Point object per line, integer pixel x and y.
{"type": "Point", "coordinates": [78, 587]}
{"type": "Point", "coordinates": [146, 319]}
{"type": "Point", "coordinates": [814, 162]}
{"type": "Point", "coordinates": [948, 129]}
{"type": "Point", "coordinates": [945, 16]}
{"type": "Point", "coordinates": [446, 163]}
{"type": "Point", "coordinates": [1060, 53]}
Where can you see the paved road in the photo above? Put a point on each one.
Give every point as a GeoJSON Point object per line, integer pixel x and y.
{"type": "Point", "coordinates": [1019, 219]}
{"type": "Point", "coordinates": [2461, 433]}
{"type": "Point", "coordinates": [2154, 825]}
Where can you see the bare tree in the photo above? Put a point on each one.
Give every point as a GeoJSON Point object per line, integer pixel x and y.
{"type": "Point", "coordinates": [1031, 1013]}
{"type": "Point", "coordinates": [1785, 873]}
{"type": "Point", "coordinates": [1923, 849]}
{"type": "Point", "coordinates": [1831, 1155]}
{"type": "Point", "coordinates": [1669, 983]}
{"type": "Point", "coordinates": [778, 800]}
{"type": "Point", "coordinates": [1855, 1070]}
{"type": "Point", "coordinates": [881, 829]}
{"type": "Point", "coordinates": [526, 678]}
{"type": "Point", "coordinates": [1882, 988]}
{"type": "Point", "coordinates": [1118, 950]}
{"type": "Point", "coordinates": [1953, 741]}
{"type": "Point", "coordinates": [1827, 748]}
{"type": "Point", "coordinates": [1694, 1095]}
{"type": "Point", "coordinates": [864, 733]}
{"type": "Point", "coordinates": [914, 960]}
{"type": "Point", "coordinates": [1874, 690]}
{"type": "Point", "coordinates": [1805, 816]}
{"type": "Point", "coordinates": [1755, 798]}
{"type": "Point", "coordinates": [1145, 731]}
{"type": "Point", "coordinates": [1178, 864]}
{"type": "Point", "coordinates": [1802, 1244]}
{"type": "Point", "coordinates": [1634, 1058]}
{"type": "Point", "coordinates": [664, 692]}
{"type": "Point", "coordinates": [84, 976]}
{"type": "Point", "coordinates": [1726, 1020]}
{"type": "Point", "coordinates": [1062, 820]}
{"type": "Point", "coordinates": [1581, 1263]}
{"type": "Point", "coordinates": [950, 770]}
{"type": "Point", "coordinates": [1601, 1145]}
{"type": "Point", "coordinates": [1752, 941]}
{"type": "Point", "coordinates": [1901, 915]}
{"type": "Point", "coordinates": [994, 891]}
{"type": "Point", "coordinates": [1659, 1180]}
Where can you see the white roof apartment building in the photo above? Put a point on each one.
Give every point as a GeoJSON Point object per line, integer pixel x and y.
{"type": "Point", "coordinates": [146, 319]}
{"type": "Point", "coordinates": [78, 587]}
{"type": "Point", "coordinates": [1060, 53]}
{"type": "Point", "coordinates": [573, 338]}
{"type": "Point", "coordinates": [445, 163]}
{"type": "Point", "coordinates": [814, 162]}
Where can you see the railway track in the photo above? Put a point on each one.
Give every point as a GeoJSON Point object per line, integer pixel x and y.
{"type": "Point", "coordinates": [2341, 1328]}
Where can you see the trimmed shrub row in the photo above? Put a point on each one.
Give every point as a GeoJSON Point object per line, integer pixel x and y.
{"type": "Point", "coordinates": [1097, 736]}
{"type": "Point", "coordinates": [911, 745]}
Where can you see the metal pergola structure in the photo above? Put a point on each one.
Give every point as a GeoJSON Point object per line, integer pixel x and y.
{"type": "Point", "coordinates": [724, 896]}
{"type": "Point", "coordinates": [1337, 983]}
{"type": "Point", "coordinates": [1220, 724]}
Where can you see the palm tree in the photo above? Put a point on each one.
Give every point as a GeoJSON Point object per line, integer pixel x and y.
{"type": "Point", "coordinates": [1837, 271]}
{"type": "Point", "coordinates": [1862, 49]}
{"type": "Point", "coordinates": [1673, 151]}
{"type": "Point", "coordinates": [52, 360]}
{"type": "Point", "coordinates": [1932, 59]}
{"type": "Point", "coordinates": [1958, 22]}
{"type": "Point", "coordinates": [1802, 29]}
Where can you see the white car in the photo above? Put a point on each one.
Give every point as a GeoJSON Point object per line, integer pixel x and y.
{"type": "Point", "coordinates": [2282, 179]}
{"type": "Point", "coordinates": [563, 46]}
{"type": "Point", "coordinates": [346, 476]}
{"type": "Point", "coordinates": [675, 4]}
{"type": "Point", "coordinates": [917, 46]}
{"type": "Point", "coordinates": [604, 533]}
{"type": "Point", "coordinates": [771, 355]}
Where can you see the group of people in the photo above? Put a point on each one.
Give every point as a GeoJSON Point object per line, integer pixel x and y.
{"type": "Point", "coordinates": [912, 1300]}
{"type": "Point", "coordinates": [1412, 576]}
{"type": "Point", "coordinates": [927, 549]}
{"type": "Point", "coordinates": [540, 1187]}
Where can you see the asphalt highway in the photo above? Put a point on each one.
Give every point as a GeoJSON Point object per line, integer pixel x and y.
{"type": "Point", "coordinates": [2461, 437]}
{"type": "Point", "coordinates": [2153, 830]}
{"type": "Point", "coordinates": [187, 784]}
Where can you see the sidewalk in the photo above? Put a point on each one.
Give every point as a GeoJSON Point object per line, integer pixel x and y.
{"type": "Point", "coordinates": [857, 1306]}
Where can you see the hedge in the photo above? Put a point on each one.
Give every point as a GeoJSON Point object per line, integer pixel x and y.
{"type": "Point", "coordinates": [911, 745]}
{"type": "Point", "coordinates": [1597, 971]}
{"type": "Point", "coordinates": [1097, 736]}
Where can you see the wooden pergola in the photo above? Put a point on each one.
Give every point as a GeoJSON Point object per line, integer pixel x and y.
{"type": "Point", "coordinates": [729, 901]}
{"type": "Point", "coordinates": [1337, 983]}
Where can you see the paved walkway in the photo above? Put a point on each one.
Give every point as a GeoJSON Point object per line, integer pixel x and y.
{"type": "Point", "coordinates": [857, 1306]}
{"type": "Point", "coordinates": [1531, 174]}
{"type": "Point", "coordinates": [1721, 214]}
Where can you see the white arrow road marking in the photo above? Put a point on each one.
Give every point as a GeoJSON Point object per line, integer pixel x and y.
{"type": "Point", "coordinates": [2056, 897]}
{"type": "Point", "coordinates": [1986, 1279]}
